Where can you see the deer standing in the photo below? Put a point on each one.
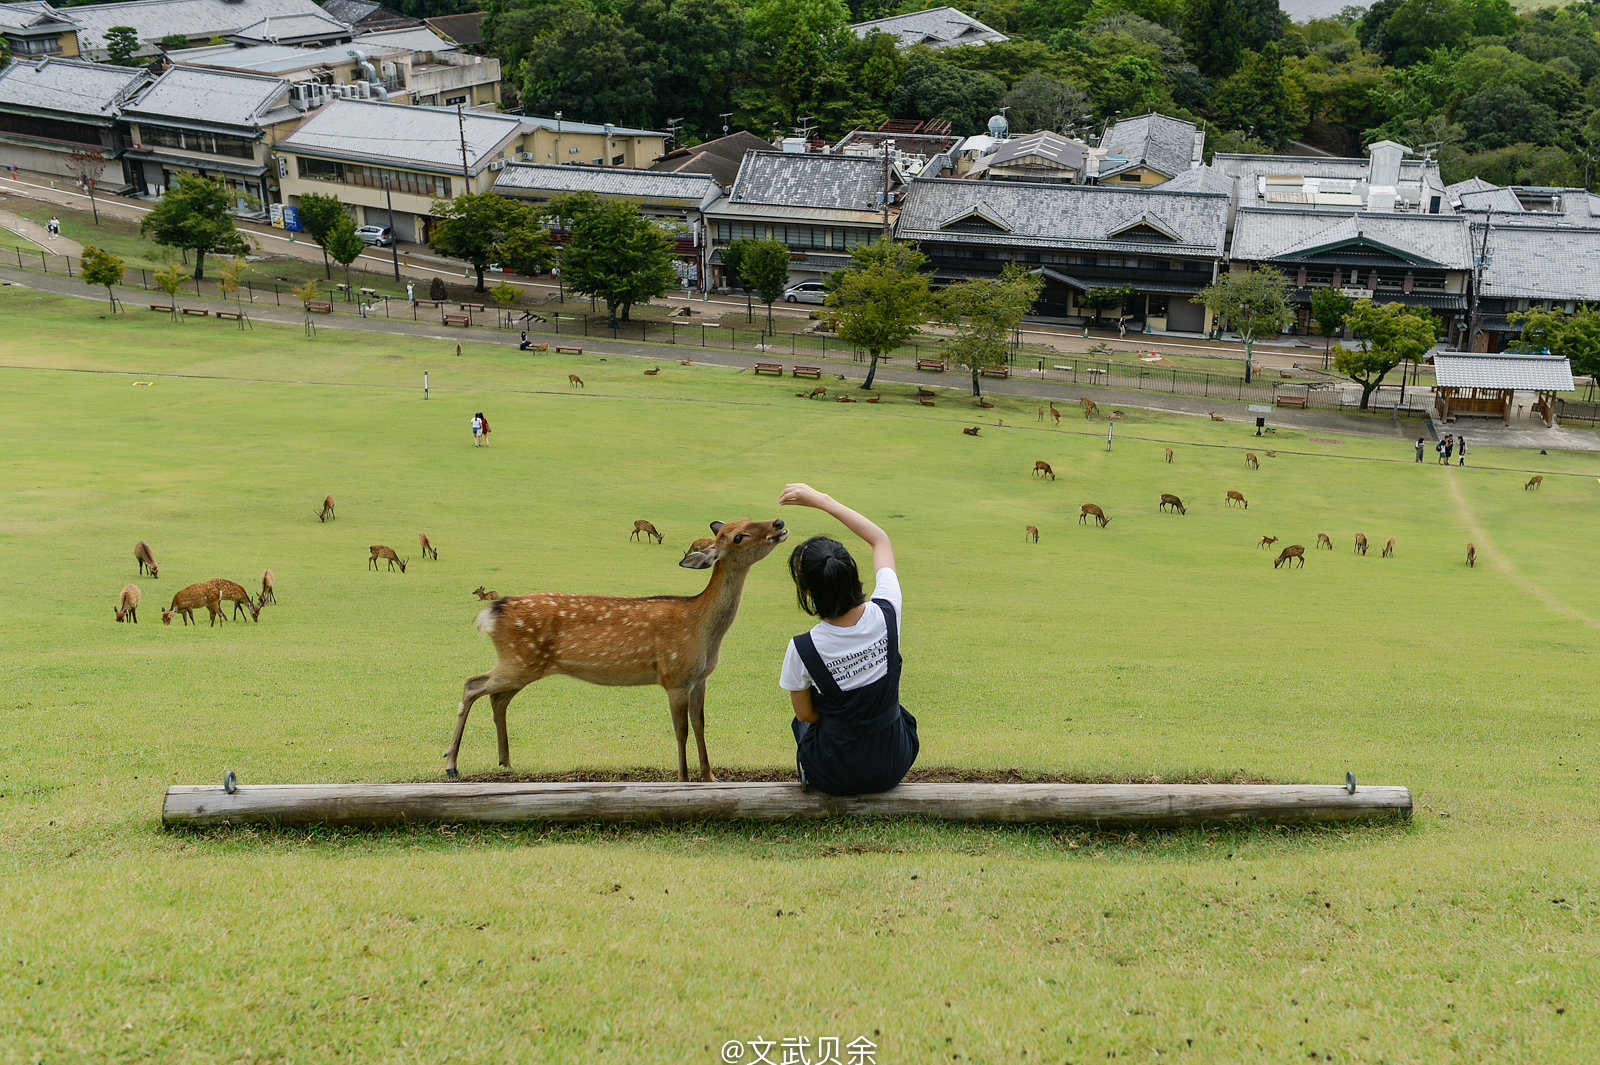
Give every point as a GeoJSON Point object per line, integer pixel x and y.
{"type": "Point", "coordinates": [234, 593]}
{"type": "Point", "coordinates": [1042, 469]}
{"type": "Point", "coordinates": [1169, 455]}
{"type": "Point", "coordinates": [1293, 551]}
{"type": "Point", "coordinates": [1323, 541]}
{"type": "Point", "coordinates": [380, 551]}
{"type": "Point", "coordinates": [1055, 414]}
{"type": "Point", "coordinates": [428, 550]}
{"type": "Point", "coordinates": [127, 607]}
{"type": "Point", "coordinates": [1251, 460]}
{"type": "Point", "coordinates": [670, 640]}
{"type": "Point", "coordinates": [574, 379]}
{"type": "Point", "coordinates": [1099, 515]}
{"type": "Point", "coordinates": [1090, 409]}
{"type": "Point", "coordinates": [1361, 543]}
{"type": "Point", "coordinates": [268, 595]}
{"type": "Point", "coordinates": [1041, 414]}
{"type": "Point", "coordinates": [1534, 482]}
{"type": "Point", "coordinates": [1172, 501]}
{"type": "Point", "coordinates": [1235, 497]}
{"type": "Point", "coordinates": [481, 594]}
{"type": "Point", "coordinates": [186, 601]}
{"type": "Point", "coordinates": [1472, 555]}
{"type": "Point", "coordinates": [1267, 541]}
{"type": "Point", "coordinates": [1388, 548]}
{"type": "Point", "coordinates": [642, 526]}
{"type": "Point", "coordinates": [1030, 534]}
{"type": "Point", "coordinates": [147, 561]}
{"type": "Point", "coordinates": [326, 514]}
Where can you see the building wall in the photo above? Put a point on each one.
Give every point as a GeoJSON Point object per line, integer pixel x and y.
{"type": "Point", "coordinates": [44, 160]}
{"type": "Point", "coordinates": [638, 152]}
{"type": "Point", "coordinates": [1137, 176]}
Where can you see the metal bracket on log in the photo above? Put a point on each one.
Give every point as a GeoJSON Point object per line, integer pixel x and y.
{"type": "Point", "coordinates": [1102, 804]}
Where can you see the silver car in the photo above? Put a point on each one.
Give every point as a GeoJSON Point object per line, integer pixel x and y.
{"type": "Point", "coordinates": [379, 235]}
{"type": "Point", "coordinates": [806, 292]}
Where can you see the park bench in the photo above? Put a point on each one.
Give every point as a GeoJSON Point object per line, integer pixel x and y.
{"type": "Point", "coordinates": [997, 371]}
{"type": "Point", "coordinates": [807, 371]}
{"type": "Point", "coordinates": [569, 351]}
{"type": "Point", "coordinates": [471, 306]}
{"type": "Point", "coordinates": [228, 314]}
{"type": "Point", "coordinates": [457, 319]}
{"type": "Point", "coordinates": [769, 367]}
{"type": "Point", "coordinates": [161, 307]}
{"type": "Point", "coordinates": [1292, 401]}
{"type": "Point", "coordinates": [931, 364]}
{"type": "Point", "coordinates": [198, 312]}
{"type": "Point", "coordinates": [320, 307]}
{"type": "Point", "coordinates": [367, 292]}
{"type": "Point", "coordinates": [429, 303]}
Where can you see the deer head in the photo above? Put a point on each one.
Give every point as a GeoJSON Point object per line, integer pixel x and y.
{"type": "Point", "coordinates": [166, 617]}
{"type": "Point", "coordinates": [402, 562]}
{"type": "Point", "coordinates": [741, 543]}
{"type": "Point", "coordinates": [117, 610]}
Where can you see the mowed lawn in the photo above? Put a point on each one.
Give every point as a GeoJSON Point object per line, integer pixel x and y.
{"type": "Point", "coordinates": [1161, 646]}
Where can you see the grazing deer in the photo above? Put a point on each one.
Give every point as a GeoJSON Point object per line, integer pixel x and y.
{"type": "Point", "coordinates": [670, 640]}
{"type": "Point", "coordinates": [234, 593]}
{"type": "Point", "coordinates": [1030, 534]}
{"type": "Point", "coordinates": [819, 391]}
{"type": "Point", "coordinates": [147, 561]}
{"type": "Point", "coordinates": [573, 380]}
{"type": "Point", "coordinates": [1172, 501]}
{"type": "Point", "coordinates": [652, 373]}
{"type": "Point", "coordinates": [1388, 548]}
{"type": "Point", "coordinates": [1216, 417]}
{"type": "Point", "coordinates": [268, 594]}
{"type": "Point", "coordinates": [1251, 460]}
{"type": "Point", "coordinates": [1534, 482]}
{"type": "Point", "coordinates": [379, 551]}
{"type": "Point", "coordinates": [1294, 551]}
{"type": "Point", "coordinates": [1099, 515]}
{"type": "Point", "coordinates": [326, 513]}
{"type": "Point", "coordinates": [482, 595]}
{"type": "Point", "coordinates": [642, 526]}
{"type": "Point", "coordinates": [1090, 409]}
{"type": "Point", "coordinates": [127, 607]}
{"type": "Point", "coordinates": [1267, 541]}
{"type": "Point", "coordinates": [428, 550]}
{"type": "Point", "coordinates": [1323, 541]}
{"type": "Point", "coordinates": [1235, 497]}
{"type": "Point", "coordinates": [1361, 543]}
{"type": "Point", "coordinates": [188, 599]}
{"type": "Point", "coordinates": [1169, 455]}
{"type": "Point", "coordinates": [1055, 414]}
{"type": "Point", "coordinates": [970, 432]}
{"type": "Point", "coordinates": [1042, 468]}
{"type": "Point", "coordinates": [1472, 555]}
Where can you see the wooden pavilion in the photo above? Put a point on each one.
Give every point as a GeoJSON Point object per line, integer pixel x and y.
{"type": "Point", "coordinates": [1479, 383]}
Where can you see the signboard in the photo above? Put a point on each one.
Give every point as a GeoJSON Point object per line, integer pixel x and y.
{"type": "Point", "coordinates": [291, 218]}
{"type": "Point", "coordinates": [1256, 408]}
{"type": "Point", "coordinates": [1357, 293]}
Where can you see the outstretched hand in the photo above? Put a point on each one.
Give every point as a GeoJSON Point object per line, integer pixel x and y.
{"type": "Point", "coordinates": [801, 495]}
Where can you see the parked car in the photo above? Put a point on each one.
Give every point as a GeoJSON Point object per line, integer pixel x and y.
{"type": "Point", "coordinates": [382, 236]}
{"type": "Point", "coordinates": [806, 292]}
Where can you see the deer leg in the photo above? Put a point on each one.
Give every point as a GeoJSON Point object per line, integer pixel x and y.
{"type": "Point", "coordinates": [678, 699]}
{"type": "Point", "coordinates": [697, 717]}
{"type": "Point", "coordinates": [475, 689]}
{"type": "Point", "coordinates": [499, 701]}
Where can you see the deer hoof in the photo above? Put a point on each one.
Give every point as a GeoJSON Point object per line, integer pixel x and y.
{"type": "Point", "coordinates": [1350, 783]}
{"type": "Point", "coordinates": [452, 774]}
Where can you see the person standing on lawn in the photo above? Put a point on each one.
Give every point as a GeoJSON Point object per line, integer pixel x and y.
{"type": "Point", "coordinates": [1419, 449]}
{"type": "Point", "coordinates": [852, 736]}
{"type": "Point", "coordinates": [477, 430]}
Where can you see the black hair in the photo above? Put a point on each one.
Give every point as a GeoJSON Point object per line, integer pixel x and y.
{"type": "Point", "coordinates": [826, 582]}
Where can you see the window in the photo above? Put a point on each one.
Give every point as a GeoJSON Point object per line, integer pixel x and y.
{"type": "Point", "coordinates": [451, 101]}
{"type": "Point", "coordinates": [1158, 306]}
{"type": "Point", "coordinates": [36, 45]}
{"type": "Point", "coordinates": [731, 231]}
{"type": "Point", "coordinates": [192, 141]}
{"type": "Point", "coordinates": [849, 238]}
{"type": "Point", "coordinates": [616, 160]}
{"type": "Point", "coordinates": [50, 129]}
{"type": "Point", "coordinates": [371, 177]}
{"type": "Point", "coordinates": [800, 236]}
{"type": "Point", "coordinates": [1127, 177]}
{"type": "Point", "coordinates": [320, 169]}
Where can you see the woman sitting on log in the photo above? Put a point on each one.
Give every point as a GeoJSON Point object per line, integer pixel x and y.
{"type": "Point", "coordinates": [843, 676]}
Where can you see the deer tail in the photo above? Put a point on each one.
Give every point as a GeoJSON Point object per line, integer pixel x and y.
{"type": "Point", "coordinates": [487, 617]}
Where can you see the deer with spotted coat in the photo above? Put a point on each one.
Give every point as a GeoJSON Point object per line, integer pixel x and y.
{"type": "Point", "coordinates": [670, 640]}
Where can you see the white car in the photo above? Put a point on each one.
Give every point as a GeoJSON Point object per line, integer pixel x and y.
{"type": "Point", "coordinates": [379, 235]}
{"type": "Point", "coordinates": [806, 292]}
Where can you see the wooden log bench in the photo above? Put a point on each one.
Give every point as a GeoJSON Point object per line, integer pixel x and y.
{"type": "Point", "coordinates": [457, 319]}
{"type": "Point", "coordinates": [936, 365]}
{"type": "Point", "coordinates": [769, 367]}
{"type": "Point", "coordinates": [235, 315]}
{"type": "Point", "coordinates": [472, 306]}
{"type": "Point", "coordinates": [428, 303]}
{"type": "Point", "coordinates": [996, 371]}
{"type": "Point", "coordinates": [1292, 401]}
{"type": "Point", "coordinates": [198, 312]}
{"type": "Point", "coordinates": [320, 307]}
{"type": "Point", "coordinates": [807, 371]}
{"type": "Point", "coordinates": [1100, 804]}
{"type": "Point", "coordinates": [161, 307]}
{"type": "Point", "coordinates": [569, 351]}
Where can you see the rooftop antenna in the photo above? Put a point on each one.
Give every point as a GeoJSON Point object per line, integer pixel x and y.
{"type": "Point", "coordinates": [806, 125]}
{"type": "Point", "coordinates": [673, 126]}
{"type": "Point", "coordinates": [725, 118]}
{"type": "Point", "coordinates": [558, 136]}
{"type": "Point", "coordinates": [1426, 150]}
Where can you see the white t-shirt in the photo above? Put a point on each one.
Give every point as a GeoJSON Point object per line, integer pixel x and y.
{"type": "Point", "coordinates": [856, 656]}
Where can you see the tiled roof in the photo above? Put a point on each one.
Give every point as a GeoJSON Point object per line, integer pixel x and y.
{"type": "Point", "coordinates": [155, 19]}
{"type": "Point", "coordinates": [1472, 184]}
{"type": "Point", "coordinates": [1482, 201]}
{"type": "Point", "coordinates": [26, 15]}
{"type": "Point", "coordinates": [827, 182]}
{"type": "Point", "coordinates": [401, 135]}
{"type": "Point", "coordinates": [1083, 216]}
{"type": "Point", "coordinates": [1540, 262]}
{"type": "Point", "coordinates": [465, 29]}
{"type": "Point", "coordinates": [1462, 369]}
{"type": "Point", "coordinates": [1052, 146]}
{"type": "Point", "coordinates": [211, 97]}
{"type": "Point", "coordinates": [1161, 143]}
{"type": "Point", "coordinates": [938, 27]}
{"type": "Point", "coordinates": [605, 181]}
{"type": "Point", "coordinates": [277, 58]}
{"type": "Point", "coordinates": [413, 38]}
{"type": "Point", "coordinates": [721, 158]}
{"type": "Point", "coordinates": [310, 25]}
{"type": "Point", "coordinates": [1200, 179]}
{"type": "Point", "coordinates": [69, 86]}
{"type": "Point", "coordinates": [350, 12]}
{"type": "Point", "coordinates": [1265, 234]}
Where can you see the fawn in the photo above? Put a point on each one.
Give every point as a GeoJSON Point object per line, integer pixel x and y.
{"type": "Point", "coordinates": [147, 561]}
{"type": "Point", "coordinates": [380, 551]}
{"type": "Point", "coordinates": [647, 529]}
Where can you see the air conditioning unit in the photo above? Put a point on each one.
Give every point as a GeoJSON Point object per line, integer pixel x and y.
{"type": "Point", "coordinates": [526, 157]}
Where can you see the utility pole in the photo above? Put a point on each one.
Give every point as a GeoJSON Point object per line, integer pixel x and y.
{"type": "Point", "coordinates": [888, 146]}
{"type": "Point", "coordinates": [725, 116]}
{"type": "Point", "coordinates": [394, 240]}
{"type": "Point", "coordinates": [558, 136]}
{"type": "Point", "coordinates": [1477, 282]}
{"type": "Point", "coordinates": [461, 124]}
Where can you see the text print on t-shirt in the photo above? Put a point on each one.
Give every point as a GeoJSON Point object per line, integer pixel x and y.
{"type": "Point", "coordinates": [859, 662]}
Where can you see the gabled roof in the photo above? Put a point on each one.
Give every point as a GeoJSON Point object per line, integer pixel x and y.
{"type": "Point", "coordinates": [1200, 179]}
{"type": "Point", "coordinates": [825, 182]}
{"type": "Point", "coordinates": [1271, 234]}
{"type": "Point", "coordinates": [1143, 220]}
{"type": "Point", "coordinates": [275, 29]}
{"type": "Point", "coordinates": [1540, 262]}
{"type": "Point", "coordinates": [643, 185]}
{"type": "Point", "coordinates": [720, 158]}
{"type": "Point", "coordinates": [369, 12]}
{"type": "Point", "coordinates": [209, 97]}
{"type": "Point", "coordinates": [465, 29]}
{"type": "Point", "coordinates": [18, 18]}
{"type": "Point", "coordinates": [1156, 142]}
{"type": "Point", "coordinates": [938, 27]}
{"type": "Point", "coordinates": [155, 19]}
{"type": "Point", "coordinates": [1051, 147]}
{"type": "Point", "coordinates": [68, 86]}
{"type": "Point", "coordinates": [979, 210]}
{"type": "Point", "coordinates": [1471, 369]}
{"type": "Point", "coordinates": [371, 131]}
{"type": "Point", "coordinates": [411, 38]}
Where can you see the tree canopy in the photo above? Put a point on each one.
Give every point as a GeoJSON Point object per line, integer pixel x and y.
{"type": "Point", "coordinates": [615, 254]}
{"type": "Point", "coordinates": [881, 299]}
{"type": "Point", "coordinates": [101, 267]}
{"type": "Point", "coordinates": [318, 216]}
{"type": "Point", "coordinates": [1252, 304]}
{"type": "Point", "coordinates": [479, 227]}
{"type": "Point", "coordinates": [982, 313]}
{"type": "Point", "coordinates": [196, 214]}
{"type": "Point", "coordinates": [1387, 335]}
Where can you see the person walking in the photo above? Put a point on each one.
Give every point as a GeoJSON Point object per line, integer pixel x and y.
{"type": "Point", "coordinates": [485, 422]}
{"type": "Point", "coordinates": [851, 734]}
{"type": "Point", "coordinates": [1419, 448]}
{"type": "Point", "coordinates": [1461, 446]}
{"type": "Point", "coordinates": [477, 430]}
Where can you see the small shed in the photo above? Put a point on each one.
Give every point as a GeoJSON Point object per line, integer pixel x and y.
{"type": "Point", "coordinates": [1471, 382]}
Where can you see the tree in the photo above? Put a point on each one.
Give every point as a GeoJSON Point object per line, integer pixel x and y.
{"type": "Point", "coordinates": [1256, 96]}
{"type": "Point", "coordinates": [1418, 27]}
{"type": "Point", "coordinates": [196, 214]}
{"type": "Point", "coordinates": [505, 294]}
{"type": "Point", "coordinates": [172, 42]}
{"type": "Point", "coordinates": [1252, 304]}
{"type": "Point", "coordinates": [1217, 33]}
{"type": "Point", "coordinates": [318, 215]}
{"type": "Point", "coordinates": [880, 299]}
{"type": "Point", "coordinates": [344, 244]}
{"type": "Point", "coordinates": [100, 267]}
{"type": "Point", "coordinates": [1576, 335]}
{"type": "Point", "coordinates": [1497, 116]}
{"type": "Point", "coordinates": [796, 61]}
{"type": "Point", "coordinates": [593, 67]}
{"type": "Point", "coordinates": [87, 164]}
{"type": "Point", "coordinates": [476, 226]}
{"type": "Point", "coordinates": [931, 88]}
{"type": "Point", "coordinates": [617, 255]}
{"type": "Point", "coordinates": [1329, 307]}
{"type": "Point", "coordinates": [1389, 335]}
{"type": "Point", "coordinates": [1038, 102]}
{"type": "Point", "coordinates": [1099, 299]}
{"type": "Point", "coordinates": [170, 279]}
{"type": "Point", "coordinates": [121, 44]}
{"type": "Point", "coordinates": [308, 292]}
{"type": "Point", "coordinates": [232, 283]}
{"type": "Point", "coordinates": [763, 265]}
{"type": "Point", "coordinates": [984, 312]}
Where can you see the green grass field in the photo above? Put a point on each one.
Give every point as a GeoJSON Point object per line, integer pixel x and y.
{"type": "Point", "coordinates": [1162, 646]}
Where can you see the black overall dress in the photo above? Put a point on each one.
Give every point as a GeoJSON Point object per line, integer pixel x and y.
{"type": "Point", "coordinates": [866, 741]}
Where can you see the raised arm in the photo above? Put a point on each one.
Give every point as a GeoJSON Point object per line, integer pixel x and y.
{"type": "Point", "coordinates": [803, 495]}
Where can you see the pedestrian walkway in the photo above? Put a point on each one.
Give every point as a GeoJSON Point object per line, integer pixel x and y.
{"type": "Point", "coordinates": [33, 231]}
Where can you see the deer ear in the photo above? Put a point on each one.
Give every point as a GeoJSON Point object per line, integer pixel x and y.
{"type": "Point", "coordinates": [716, 526]}
{"type": "Point", "coordinates": [698, 560]}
